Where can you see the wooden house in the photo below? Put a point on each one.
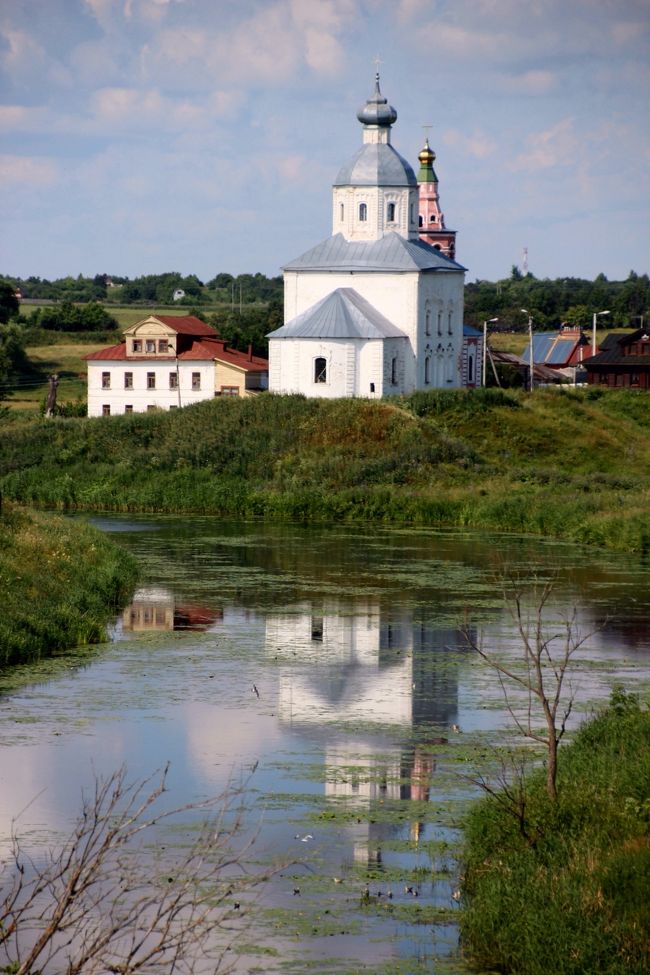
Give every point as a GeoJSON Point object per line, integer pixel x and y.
{"type": "Point", "coordinates": [623, 360]}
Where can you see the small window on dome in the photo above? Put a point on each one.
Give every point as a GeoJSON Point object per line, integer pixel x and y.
{"type": "Point", "coordinates": [432, 219]}
{"type": "Point", "coordinates": [363, 212]}
{"type": "Point", "coordinates": [390, 215]}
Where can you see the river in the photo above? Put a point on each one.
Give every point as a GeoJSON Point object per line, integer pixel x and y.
{"type": "Point", "coordinates": [325, 669]}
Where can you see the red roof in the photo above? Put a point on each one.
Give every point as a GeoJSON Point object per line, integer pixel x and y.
{"type": "Point", "coordinates": [187, 325]}
{"type": "Point", "coordinates": [200, 350]}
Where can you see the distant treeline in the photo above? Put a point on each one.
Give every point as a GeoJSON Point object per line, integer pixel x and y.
{"type": "Point", "coordinates": [549, 302]}
{"type": "Point", "coordinates": [153, 289]}
{"type": "Point", "coordinates": [570, 300]}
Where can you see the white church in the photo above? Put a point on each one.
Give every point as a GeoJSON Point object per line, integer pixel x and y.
{"type": "Point", "coordinates": [377, 308]}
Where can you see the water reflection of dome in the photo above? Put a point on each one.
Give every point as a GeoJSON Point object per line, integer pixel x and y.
{"type": "Point", "coordinates": [362, 664]}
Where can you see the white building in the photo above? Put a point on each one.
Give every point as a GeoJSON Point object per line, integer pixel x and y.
{"type": "Point", "coordinates": [169, 361]}
{"type": "Point", "coordinates": [373, 310]}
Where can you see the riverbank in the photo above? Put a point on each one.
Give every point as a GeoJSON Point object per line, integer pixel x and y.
{"type": "Point", "coordinates": [565, 463]}
{"type": "Point", "coordinates": [61, 584]}
{"type": "Point", "coordinates": [572, 899]}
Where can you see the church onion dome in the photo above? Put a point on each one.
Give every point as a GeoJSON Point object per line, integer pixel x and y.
{"type": "Point", "coordinates": [426, 173]}
{"type": "Point", "coordinates": [376, 110]}
{"type": "Point", "coordinates": [376, 164]}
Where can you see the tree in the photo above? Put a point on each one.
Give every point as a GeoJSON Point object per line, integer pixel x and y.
{"type": "Point", "coordinates": [545, 660]}
{"type": "Point", "coordinates": [105, 902]}
{"type": "Point", "coordinates": [9, 304]}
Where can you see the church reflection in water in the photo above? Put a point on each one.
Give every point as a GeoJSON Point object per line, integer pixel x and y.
{"type": "Point", "coordinates": [382, 688]}
{"type": "Point", "coordinates": [157, 610]}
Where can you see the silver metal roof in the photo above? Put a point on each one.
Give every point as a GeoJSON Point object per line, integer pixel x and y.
{"type": "Point", "coordinates": [376, 164]}
{"type": "Point", "coordinates": [342, 314]}
{"type": "Point", "coordinates": [376, 110]}
{"type": "Point", "coordinates": [391, 253]}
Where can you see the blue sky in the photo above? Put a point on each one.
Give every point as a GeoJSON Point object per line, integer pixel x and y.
{"type": "Point", "coordinates": [141, 136]}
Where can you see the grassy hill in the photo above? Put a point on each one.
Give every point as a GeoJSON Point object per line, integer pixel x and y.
{"type": "Point", "coordinates": [568, 463]}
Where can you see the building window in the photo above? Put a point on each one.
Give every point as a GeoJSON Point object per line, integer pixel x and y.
{"type": "Point", "coordinates": [150, 408]}
{"type": "Point", "coordinates": [470, 369]}
{"type": "Point", "coordinates": [427, 369]}
{"type": "Point", "coordinates": [439, 322]}
{"type": "Point", "coordinates": [128, 380]}
{"type": "Point", "coordinates": [427, 321]}
{"type": "Point", "coordinates": [128, 408]}
{"type": "Point", "coordinates": [150, 345]}
{"type": "Point", "coordinates": [341, 211]}
{"type": "Point", "coordinates": [151, 380]}
{"type": "Point", "coordinates": [106, 409]}
{"type": "Point", "coordinates": [449, 328]}
{"type": "Point", "coordinates": [393, 371]}
{"type": "Point", "coordinates": [230, 390]}
{"type": "Point", "coordinates": [173, 380]}
{"type": "Point", "coordinates": [137, 345]}
{"type": "Point", "coordinates": [196, 380]}
{"type": "Point", "coordinates": [163, 345]}
{"type": "Point", "coordinates": [437, 247]}
{"type": "Point", "coordinates": [390, 215]}
{"type": "Point", "coordinates": [420, 221]}
{"type": "Point", "coordinates": [173, 407]}
{"type": "Point", "coordinates": [320, 370]}
{"type": "Point", "coordinates": [432, 219]}
{"type": "Point", "coordinates": [363, 212]}
{"type": "Point", "coordinates": [106, 380]}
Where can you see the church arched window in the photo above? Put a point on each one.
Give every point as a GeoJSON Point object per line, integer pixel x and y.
{"type": "Point", "coordinates": [437, 247]}
{"type": "Point", "coordinates": [320, 370]}
{"type": "Point", "coordinates": [427, 320]}
{"type": "Point", "coordinates": [363, 212]}
{"type": "Point", "coordinates": [393, 371]}
{"type": "Point", "coordinates": [470, 369]}
{"type": "Point", "coordinates": [439, 322]}
{"type": "Point", "coordinates": [390, 213]}
{"type": "Point", "coordinates": [449, 324]}
{"type": "Point", "coordinates": [427, 369]}
{"type": "Point", "coordinates": [420, 221]}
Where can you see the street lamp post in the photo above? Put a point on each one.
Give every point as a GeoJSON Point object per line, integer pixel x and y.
{"type": "Point", "coordinates": [531, 360]}
{"type": "Point", "coordinates": [593, 330]}
{"type": "Point", "coordinates": [485, 325]}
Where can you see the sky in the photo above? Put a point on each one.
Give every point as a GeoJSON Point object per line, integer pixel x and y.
{"type": "Point", "coordinates": [202, 136]}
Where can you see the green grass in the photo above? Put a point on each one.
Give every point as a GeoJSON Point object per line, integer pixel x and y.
{"type": "Point", "coordinates": [576, 901]}
{"type": "Point", "coordinates": [569, 464]}
{"type": "Point", "coordinates": [61, 583]}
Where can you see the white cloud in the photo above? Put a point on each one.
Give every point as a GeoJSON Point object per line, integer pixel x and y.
{"type": "Point", "coordinates": [557, 146]}
{"type": "Point", "coordinates": [29, 171]}
{"type": "Point", "coordinates": [478, 144]}
{"type": "Point", "coordinates": [534, 82]}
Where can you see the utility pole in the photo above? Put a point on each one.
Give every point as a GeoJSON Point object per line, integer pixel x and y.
{"type": "Point", "coordinates": [485, 325]}
{"type": "Point", "coordinates": [531, 360]}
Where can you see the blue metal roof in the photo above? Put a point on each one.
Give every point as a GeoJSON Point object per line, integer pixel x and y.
{"type": "Point", "coordinates": [342, 314]}
{"type": "Point", "coordinates": [552, 348]}
{"type": "Point", "coordinates": [471, 332]}
{"type": "Point", "coordinates": [392, 252]}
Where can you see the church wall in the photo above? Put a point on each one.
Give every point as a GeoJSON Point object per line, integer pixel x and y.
{"type": "Point", "coordinates": [440, 306]}
{"type": "Point", "coordinates": [354, 367]}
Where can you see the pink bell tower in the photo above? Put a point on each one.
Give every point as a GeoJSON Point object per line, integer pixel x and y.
{"type": "Point", "coordinates": [432, 228]}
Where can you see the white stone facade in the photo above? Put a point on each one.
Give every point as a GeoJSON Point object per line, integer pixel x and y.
{"type": "Point", "coordinates": [135, 387]}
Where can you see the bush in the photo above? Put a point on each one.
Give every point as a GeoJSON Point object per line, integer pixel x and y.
{"type": "Point", "coordinates": [573, 900]}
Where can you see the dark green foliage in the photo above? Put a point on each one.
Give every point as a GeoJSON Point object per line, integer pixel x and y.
{"type": "Point", "coordinates": [61, 583]}
{"type": "Point", "coordinates": [67, 317]}
{"type": "Point", "coordinates": [8, 302]}
{"type": "Point", "coordinates": [470, 402]}
{"type": "Point", "coordinates": [553, 301]}
{"type": "Point", "coordinates": [12, 354]}
{"type": "Point", "coordinates": [575, 899]}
